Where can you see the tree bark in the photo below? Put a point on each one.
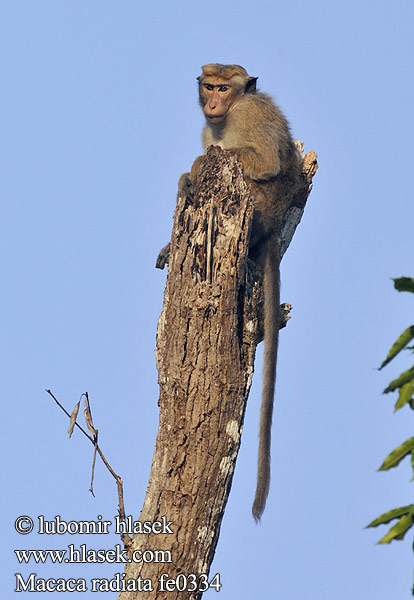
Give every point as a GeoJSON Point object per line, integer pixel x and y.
{"type": "Point", "coordinates": [208, 330]}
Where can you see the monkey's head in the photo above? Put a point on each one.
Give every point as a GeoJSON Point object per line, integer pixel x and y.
{"type": "Point", "coordinates": [220, 86]}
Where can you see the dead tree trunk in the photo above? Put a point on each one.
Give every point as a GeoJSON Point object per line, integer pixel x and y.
{"type": "Point", "coordinates": [207, 335]}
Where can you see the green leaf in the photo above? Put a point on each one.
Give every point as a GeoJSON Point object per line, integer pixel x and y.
{"type": "Point", "coordinates": [404, 339]}
{"type": "Point", "coordinates": [397, 455]}
{"type": "Point", "coordinates": [403, 378]}
{"type": "Point", "coordinates": [404, 284]}
{"type": "Point", "coordinates": [405, 394]}
{"type": "Point", "coordinates": [399, 530]}
{"type": "Point", "coordinates": [392, 514]}
{"type": "Point", "coordinates": [412, 464]}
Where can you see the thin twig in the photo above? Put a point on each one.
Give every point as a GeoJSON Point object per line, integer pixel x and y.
{"type": "Point", "coordinates": [93, 470]}
{"type": "Point", "coordinates": [121, 510]}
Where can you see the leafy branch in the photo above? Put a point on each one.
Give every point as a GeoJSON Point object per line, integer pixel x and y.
{"type": "Point", "coordinates": [404, 385]}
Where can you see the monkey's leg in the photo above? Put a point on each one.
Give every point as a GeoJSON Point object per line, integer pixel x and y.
{"type": "Point", "coordinates": [184, 189]}
{"type": "Point", "coordinates": [196, 168]}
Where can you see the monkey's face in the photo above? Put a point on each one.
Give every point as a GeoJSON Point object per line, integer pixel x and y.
{"type": "Point", "coordinates": [217, 96]}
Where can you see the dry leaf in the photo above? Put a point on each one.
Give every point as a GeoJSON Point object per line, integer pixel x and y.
{"type": "Point", "coordinates": [88, 417]}
{"type": "Point", "coordinates": [73, 419]}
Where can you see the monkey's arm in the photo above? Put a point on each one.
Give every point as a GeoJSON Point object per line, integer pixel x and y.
{"type": "Point", "coordinates": [258, 165]}
{"type": "Point", "coordinates": [184, 189]}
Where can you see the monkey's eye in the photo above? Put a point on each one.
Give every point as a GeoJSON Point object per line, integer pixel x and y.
{"type": "Point", "coordinates": [209, 87]}
{"type": "Point", "coordinates": [223, 88]}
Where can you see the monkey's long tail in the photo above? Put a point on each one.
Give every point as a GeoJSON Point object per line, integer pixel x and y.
{"type": "Point", "coordinates": [271, 336]}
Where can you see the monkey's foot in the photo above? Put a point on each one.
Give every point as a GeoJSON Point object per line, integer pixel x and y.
{"type": "Point", "coordinates": [285, 309]}
{"type": "Point", "coordinates": [163, 257]}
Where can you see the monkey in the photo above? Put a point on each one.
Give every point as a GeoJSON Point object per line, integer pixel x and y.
{"type": "Point", "coordinates": [249, 123]}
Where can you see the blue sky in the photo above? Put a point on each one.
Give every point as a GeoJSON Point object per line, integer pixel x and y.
{"type": "Point", "coordinates": [99, 119]}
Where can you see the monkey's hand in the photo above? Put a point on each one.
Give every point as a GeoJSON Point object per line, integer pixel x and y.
{"type": "Point", "coordinates": [163, 257]}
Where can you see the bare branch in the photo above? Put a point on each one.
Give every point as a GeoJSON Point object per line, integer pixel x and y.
{"type": "Point", "coordinates": [94, 440]}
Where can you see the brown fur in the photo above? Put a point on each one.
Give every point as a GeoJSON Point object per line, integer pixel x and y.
{"type": "Point", "coordinates": [250, 124]}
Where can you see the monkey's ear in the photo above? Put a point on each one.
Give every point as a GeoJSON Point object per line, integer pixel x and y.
{"type": "Point", "coordinates": [198, 79]}
{"type": "Point", "coordinates": [250, 87]}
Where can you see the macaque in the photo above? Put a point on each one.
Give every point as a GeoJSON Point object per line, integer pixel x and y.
{"type": "Point", "coordinates": [249, 123]}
